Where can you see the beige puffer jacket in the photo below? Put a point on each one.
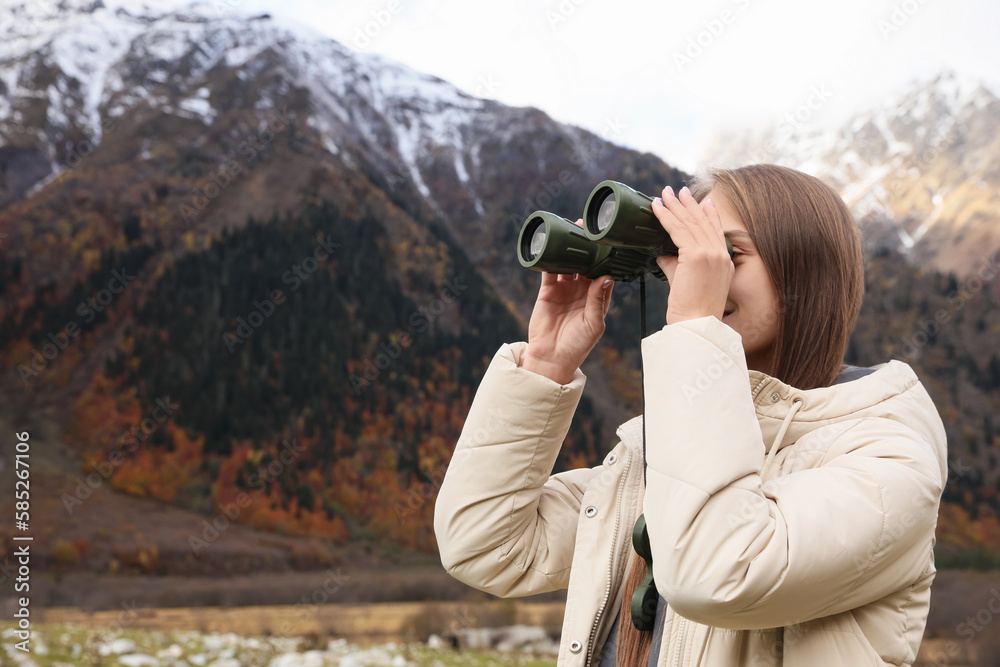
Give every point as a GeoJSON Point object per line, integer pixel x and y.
{"type": "Point", "coordinates": [788, 527]}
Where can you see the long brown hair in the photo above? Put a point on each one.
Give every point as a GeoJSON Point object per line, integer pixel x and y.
{"type": "Point", "coordinates": [810, 244]}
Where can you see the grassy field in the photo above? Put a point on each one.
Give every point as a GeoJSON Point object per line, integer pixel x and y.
{"type": "Point", "coordinates": [392, 634]}
{"type": "Point", "coordinates": [57, 645]}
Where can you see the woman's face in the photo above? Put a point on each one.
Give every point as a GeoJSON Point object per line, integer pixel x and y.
{"type": "Point", "coordinates": [752, 308]}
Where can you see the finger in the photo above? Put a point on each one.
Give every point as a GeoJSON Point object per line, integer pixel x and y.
{"type": "Point", "coordinates": [674, 227]}
{"type": "Point", "coordinates": [674, 205]}
{"type": "Point", "coordinates": [668, 264]}
{"type": "Point", "coordinates": [705, 223]}
{"type": "Point", "coordinates": [579, 223]}
{"type": "Point", "coordinates": [700, 224]}
{"type": "Point", "coordinates": [712, 213]}
{"type": "Point", "coordinates": [548, 278]}
{"type": "Point", "coordinates": [681, 222]}
{"type": "Point", "coordinates": [607, 298]}
{"type": "Point", "coordinates": [595, 308]}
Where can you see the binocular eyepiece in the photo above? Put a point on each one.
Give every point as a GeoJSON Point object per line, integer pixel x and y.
{"type": "Point", "coordinates": [620, 237]}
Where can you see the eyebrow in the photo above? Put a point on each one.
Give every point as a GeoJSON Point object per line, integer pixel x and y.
{"type": "Point", "coordinates": [736, 233]}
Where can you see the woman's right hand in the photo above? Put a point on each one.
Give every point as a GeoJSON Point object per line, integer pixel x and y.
{"type": "Point", "coordinates": [566, 323]}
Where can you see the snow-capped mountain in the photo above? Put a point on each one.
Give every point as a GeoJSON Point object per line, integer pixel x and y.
{"type": "Point", "coordinates": [67, 69]}
{"type": "Point", "coordinates": [70, 69]}
{"type": "Point", "coordinates": [919, 171]}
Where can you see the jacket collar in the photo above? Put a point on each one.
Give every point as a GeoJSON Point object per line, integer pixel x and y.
{"type": "Point", "coordinates": [773, 400]}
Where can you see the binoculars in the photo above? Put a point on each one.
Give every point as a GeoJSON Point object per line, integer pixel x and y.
{"type": "Point", "coordinates": [620, 237]}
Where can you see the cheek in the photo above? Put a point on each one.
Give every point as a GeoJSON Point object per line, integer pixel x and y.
{"type": "Point", "coordinates": [761, 319]}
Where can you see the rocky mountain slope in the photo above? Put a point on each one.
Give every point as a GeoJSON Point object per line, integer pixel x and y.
{"type": "Point", "coordinates": [919, 170]}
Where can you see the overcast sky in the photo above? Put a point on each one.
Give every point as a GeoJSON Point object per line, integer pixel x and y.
{"type": "Point", "coordinates": [666, 76]}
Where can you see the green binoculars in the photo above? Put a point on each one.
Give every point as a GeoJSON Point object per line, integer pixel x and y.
{"type": "Point", "coordinates": [620, 237]}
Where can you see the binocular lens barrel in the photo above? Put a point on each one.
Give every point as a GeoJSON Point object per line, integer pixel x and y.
{"type": "Point", "coordinates": [548, 242]}
{"type": "Point", "coordinates": [537, 242]}
{"type": "Point", "coordinates": [621, 237]}
{"type": "Point", "coordinates": [617, 215]}
{"type": "Point", "coordinates": [606, 213]}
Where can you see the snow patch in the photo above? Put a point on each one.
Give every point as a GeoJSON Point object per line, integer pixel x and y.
{"type": "Point", "coordinates": [199, 107]}
{"type": "Point", "coordinates": [408, 142]}
{"type": "Point", "coordinates": [463, 175]}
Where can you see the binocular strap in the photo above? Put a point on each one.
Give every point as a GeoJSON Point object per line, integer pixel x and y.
{"type": "Point", "coordinates": [644, 599]}
{"type": "Point", "coordinates": [642, 379]}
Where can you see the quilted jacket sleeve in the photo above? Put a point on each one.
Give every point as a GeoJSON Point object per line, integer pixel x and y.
{"type": "Point", "coordinates": [504, 524]}
{"type": "Point", "coordinates": [732, 552]}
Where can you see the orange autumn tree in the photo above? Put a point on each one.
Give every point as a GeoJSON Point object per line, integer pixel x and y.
{"type": "Point", "coordinates": [100, 418]}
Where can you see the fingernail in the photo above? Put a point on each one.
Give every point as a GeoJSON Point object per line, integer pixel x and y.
{"type": "Point", "coordinates": [711, 203]}
{"type": "Point", "coordinates": [670, 191]}
{"type": "Point", "coordinates": [685, 189]}
{"type": "Point", "coordinates": [607, 282]}
{"type": "Point", "coordinates": [659, 201]}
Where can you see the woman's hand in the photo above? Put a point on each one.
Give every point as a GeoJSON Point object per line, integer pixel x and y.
{"type": "Point", "coordinates": [702, 271]}
{"type": "Point", "coordinates": [566, 323]}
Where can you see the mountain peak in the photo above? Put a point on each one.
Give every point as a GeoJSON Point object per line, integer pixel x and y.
{"type": "Point", "coordinates": [920, 162]}
{"type": "Point", "coordinates": [955, 87]}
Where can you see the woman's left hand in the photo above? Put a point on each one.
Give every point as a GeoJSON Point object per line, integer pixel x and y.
{"type": "Point", "coordinates": [701, 272]}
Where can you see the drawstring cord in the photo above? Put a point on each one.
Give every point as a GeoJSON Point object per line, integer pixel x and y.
{"type": "Point", "coordinates": [781, 434]}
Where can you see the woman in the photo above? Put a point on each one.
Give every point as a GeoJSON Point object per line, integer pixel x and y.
{"type": "Point", "coordinates": [790, 500]}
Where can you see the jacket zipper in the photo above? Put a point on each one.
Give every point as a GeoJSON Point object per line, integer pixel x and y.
{"type": "Point", "coordinates": [611, 562]}
{"type": "Point", "coordinates": [678, 645]}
